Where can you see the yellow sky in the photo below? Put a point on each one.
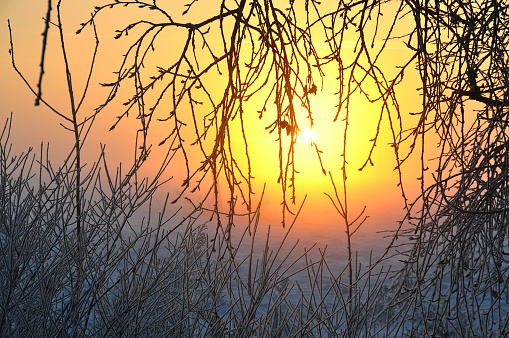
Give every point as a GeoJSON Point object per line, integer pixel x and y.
{"type": "Point", "coordinates": [375, 187]}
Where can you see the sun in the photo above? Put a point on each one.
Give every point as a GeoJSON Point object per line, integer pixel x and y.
{"type": "Point", "coordinates": [306, 136]}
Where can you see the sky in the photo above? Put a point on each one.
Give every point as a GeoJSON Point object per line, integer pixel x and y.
{"type": "Point", "coordinates": [375, 187]}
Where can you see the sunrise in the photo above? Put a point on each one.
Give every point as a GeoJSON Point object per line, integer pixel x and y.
{"type": "Point", "coordinates": [307, 136]}
{"type": "Point", "coordinates": [275, 168]}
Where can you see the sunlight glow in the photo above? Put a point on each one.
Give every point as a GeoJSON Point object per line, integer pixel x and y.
{"type": "Point", "coordinates": [306, 136]}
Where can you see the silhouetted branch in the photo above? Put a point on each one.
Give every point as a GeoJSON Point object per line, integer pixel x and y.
{"type": "Point", "coordinates": [43, 53]}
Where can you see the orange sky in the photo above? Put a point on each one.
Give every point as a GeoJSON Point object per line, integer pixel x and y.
{"type": "Point", "coordinates": [375, 187]}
